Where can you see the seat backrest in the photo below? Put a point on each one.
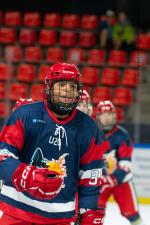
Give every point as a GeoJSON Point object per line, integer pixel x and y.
{"type": "Point", "coordinates": [42, 71]}
{"type": "Point", "coordinates": [86, 39]}
{"type": "Point", "coordinates": [6, 71]}
{"type": "Point", "coordinates": [70, 21]}
{"type": "Point", "coordinates": [131, 77]}
{"type": "Point", "coordinates": [52, 20]}
{"type": "Point", "coordinates": [54, 54]}
{"type": "Point", "coordinates": [37, 92]}
{"type": "Point", "coordinates": [96, 57]}
{"type": "Point", "coordinates": [67, 38]}
{"type": "Point", "coordinates": [13, 53]}
{"type": "Point", "coordinates": [47, 37]}
{"type": "Point", "coordinates": [32, 19]}
{"type": "Point", "coordinates": [110, 76]}
{"type": "Point", "coordinates": [123, 96]}
{"type": "Point", "coordinates": [75, 55]}
{"type": "Point", "coordinates": [89, 22]}
{"type": "Point", "coordinates": [101, 94]}
{"type": "Point", "coordinates": [117, 58]}
{"type": "Point", "coordinates": [8, 35]}
{"type": "Point", "coordinates": [27, 36]}
{"type": "Point", "coordinates": [26, 72]}
{"type": "Point", "coordinates": [18, 90]}
{"type": "Point", "coordinates": [90, 76]}
{"type": "Point", "coordinates": [33, 54]}
{"type": "Point", "coordinates": [12, 18]}
{"type": "Point", "coordinates": [138, 59]}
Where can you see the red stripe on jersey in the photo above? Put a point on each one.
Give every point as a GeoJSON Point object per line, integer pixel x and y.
{"type": "Point", "coordinates": [13, 134]}
{"type": "Point", "coordinates": [94, 152]}
{"type": "Point", "coordinates": [125, 151]}
{"type": "Point", "coordinates": [28, 216]}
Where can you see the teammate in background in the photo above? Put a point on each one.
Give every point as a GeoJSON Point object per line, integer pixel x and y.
{"type": "Point", "coordinates": [85, 103]}
{"type": "Point", "coordinates": [20, 102]}
{"type": "Point", "coordinates": [118, 160]}
{"type": "Point", "coordinates": [51, 157]}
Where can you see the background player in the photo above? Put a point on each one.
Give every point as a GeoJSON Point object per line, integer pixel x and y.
{"type": "Point", "coordinates": [119, 181]}
{"type": "Point", "coordinates": [85, 104]}
{"type": "Point", "coordinates": [50, 153]}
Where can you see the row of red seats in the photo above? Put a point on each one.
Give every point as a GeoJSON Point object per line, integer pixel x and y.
{"type": "Point", "coordinates": [95, 57]}
{"type": "Point", "coordinates": [52, 20]}
{"type": "Point", "coordinates": [91, 75]}
{"type": "Point", "coordinates": [122, 96]}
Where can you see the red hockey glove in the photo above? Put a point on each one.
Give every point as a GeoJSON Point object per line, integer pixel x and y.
{"type": "Point", "coordinates": [93, 217]}
{"type": "Point", "coordinates": [107, 182]}
{"type": "Point", "coordinates": [38, 182]}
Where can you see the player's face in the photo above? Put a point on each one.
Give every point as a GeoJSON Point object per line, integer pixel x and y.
{"type": "Point", "coordinates": [83, 106]}
{"type": "Point", "coordinates": [64, 92]}
{"type": "Point", "coordinates": [106, 120]}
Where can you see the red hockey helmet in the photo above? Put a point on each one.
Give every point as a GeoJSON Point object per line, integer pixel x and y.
{"type": "Point", "coordinates": [85, 97]}
{"type": "Point", "coordinates": [105, 106]}
{"type": "Point", "coordinates": [62, 72]}
{"type": "Point", "coordinates": [21, 102]}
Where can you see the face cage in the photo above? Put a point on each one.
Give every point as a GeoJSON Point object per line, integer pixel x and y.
{"type": "Point", "coordinates": [108, 127]}
{"type": "Point", "coordinates": [61, 108]}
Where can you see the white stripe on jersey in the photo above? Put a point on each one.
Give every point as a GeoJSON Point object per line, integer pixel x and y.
{"type": "Point", "coordinates": [48, 207]}
{"type": "Point", "coordinates": [88, 173]}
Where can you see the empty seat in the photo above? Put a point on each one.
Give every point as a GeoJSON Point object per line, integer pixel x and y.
{"type": "Point", "coordinates": [12, 18]}
{"type": "Point", "coordinates": [89, 22]}
{"type": "Point", "coordinates": [90, 76]}
{"type": "Point", "coordinates": [18, 90]}
{"type": "Point", "coordinates": [32, 19]}
{"type": "Point", "coordinates": [42, 71]}
{"type": "Point", "coordinates": [138, 59]}
{"type": "Point", "coordinates": [123, 96]}
{"type": "Point", "coordinates": [117, 58]}
{"type": "Point", "coordinates": [120, 114]}
{"type": "Point", "coordinates": [52, 20]}
{"type": "Point", "coordinates": [131, 77]}
{"type": "Point", "coordinates": [26, 72]}
{"type": "Point", "coordinates": [47, 37]}
{"type": "Point", "coordinates": [67, 38]}
{"type": "Point", "coordinates": [6, 71]}
{"type": "Point", "coordinates": [70, 21]}
{"type": "Point", "coordinates": [75, 55]}
{"type": "Point", "coordinates": [86, 39]}
{"type": "Point", "coordinates": [2, 90]}
{"type": "Point", "coordinates": [37, 92]}
{"type": "Point", "coordinates": [13, 54]}
{"type": "Point", "coordinates": [143, 41]}
{"type": "Point", "coordinates": [110, 76]}
{"type": "Point", "coordinates": [54, 55]}
{"type": "Point", "coordinates": [27, 36]}
{"type": "Point", "coordinates": [101, 94]}
{"type": "Point", "coordinates": [7, 35]}
{"type": "Point", "coordinates": [96, 57]}
{"type": "Point", "coordinates": [3, 110]}
{"type": "Point", "coordinates": [33, 54]}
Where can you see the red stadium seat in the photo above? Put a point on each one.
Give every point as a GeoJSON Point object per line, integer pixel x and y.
{"type": "Point", "coordinates": [131, 78]}
{"type": "Point", "coordinates": [101, 94]}
{"type": "Point", "coordinates": [89, 22]}
{"type": "Point", "coordinates": [143, 41]}
{"type": "Point", "coordinates": [120, 114]}
{"type": "Point", "coordinates": [90, 76]}
{"type": "Point", "coordinates": [123, 96]}
{"type": "Point", "coordinates": [3, 110]}
{"type": "Point", "coordinates": [7, 35]}
{"type": "Point", "coordinates": [96, 57]}
{"type": "Point", "coordinates": [3, 90]}
{"type": "Point", "coordinates": [33, 54]}
{"type": "Point", "coordinates": [110, 76]}
{"type": "Point", "coordinates": [37, 92]}
{"type": "Point", "coordinates": [86, 39]}
{"type": "Point", "coordinates": [117, 58]}
{"type": "Point", "coordinates": [6, 71]}
{"type": "Point", "coordinates": [47, 37]}
{"type": "Point", "coordinates": [42, 71]}
{"type": "Point", "coordinates": [32, 19]}
{"type": "Point", "coordinates": [13, 54]}
{"type": "Point", "coordinates": [67, 38]}
{"type": "Point", "coordinates": [138, 59]}
{"type": "Point", "coordinates": [75, 55]}
{"type": "Point", "coordinates": [27, 36]}
{"type": "Point", "coordinates": [12, 18]}
{"type": "Point", "coordinates": [54, 55]}
{"type": "Point", "coordinates": [70, 21]}
{"type": "Point", "coordinates": [26, 72]}
{"type": "Point", "coordinates": [52, 20]}
{"type": "Point", "coordinates": [18, 90]}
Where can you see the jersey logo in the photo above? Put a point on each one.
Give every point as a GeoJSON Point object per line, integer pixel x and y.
{"type": "Point", "coordinates": [111, 162]}
{"type": "Point", "coordinates": [56, 167]}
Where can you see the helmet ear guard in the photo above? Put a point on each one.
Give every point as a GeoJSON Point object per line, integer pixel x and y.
{"type": "Point", "coordinates": [62, 72]}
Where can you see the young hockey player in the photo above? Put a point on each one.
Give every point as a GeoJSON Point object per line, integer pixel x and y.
{"type": "Point", "coordinates": [119, 181]}
{"type": "Point", "coordinates": [85, 103]}
{"type": "Point", "coordinates": [51, 157]}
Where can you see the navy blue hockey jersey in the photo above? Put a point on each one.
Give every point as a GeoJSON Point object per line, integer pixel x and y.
{"type": "Point", "coordinates": [74, 147]}
{"type": "Point", "coordinates": [118, 158]}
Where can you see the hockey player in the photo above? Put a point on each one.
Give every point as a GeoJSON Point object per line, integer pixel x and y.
{"type": "Point", "coordinates": [118, 160]}
{"type": "Point", "coordinates": [51, 157]}
{"type": "Point", "coordinates": [85, 103]}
